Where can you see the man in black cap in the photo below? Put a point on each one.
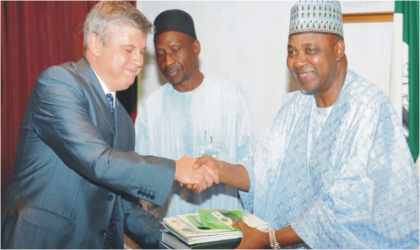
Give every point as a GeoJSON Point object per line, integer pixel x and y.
{"type": "Point", "coordinates": [192, 114]}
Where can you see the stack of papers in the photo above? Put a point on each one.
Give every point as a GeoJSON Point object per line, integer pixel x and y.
{"type": "Point", "coordinates": [171, 241]}
{"type": "Point", "coordinates": [208, 226]}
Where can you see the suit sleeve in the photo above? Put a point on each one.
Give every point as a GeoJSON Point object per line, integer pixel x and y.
{"type": "Point", "coordinates": [141, 226]}
{"type": "Point", "coordinates": [67, 116]}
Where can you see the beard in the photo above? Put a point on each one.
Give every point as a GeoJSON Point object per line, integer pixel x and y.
{"type": "Point", "coordinates": [308, 91]}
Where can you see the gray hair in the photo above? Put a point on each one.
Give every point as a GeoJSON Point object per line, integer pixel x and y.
{"type": "Point", "coordinates": [106, 16]}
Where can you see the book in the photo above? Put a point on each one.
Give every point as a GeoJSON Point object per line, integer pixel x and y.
{"type": "Point", "coordinates": [193, 229]}
{"type": "Point", "coordinates": [188, 236]}
{"type": "Point", "coordinates": [171, 241]}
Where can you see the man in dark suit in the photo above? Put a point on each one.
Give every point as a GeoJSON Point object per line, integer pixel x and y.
{"type": "Point", "coordinates": [76, 181]}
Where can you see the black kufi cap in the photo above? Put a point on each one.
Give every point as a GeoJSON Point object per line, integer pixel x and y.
{"type": "Point", "coordinates": [174, 20]}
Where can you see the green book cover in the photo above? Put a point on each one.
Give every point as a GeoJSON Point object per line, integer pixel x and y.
{"type": "Point", "coordinates": [219, 218]}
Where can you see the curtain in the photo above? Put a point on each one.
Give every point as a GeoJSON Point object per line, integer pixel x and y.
{"type": "Point", "coordinates": [34, 36]}
{"type": "Point", "coordinates": [404, 82]}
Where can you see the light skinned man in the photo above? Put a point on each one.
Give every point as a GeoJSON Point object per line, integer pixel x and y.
{"type": "Point", "coordinates": [76, 180]}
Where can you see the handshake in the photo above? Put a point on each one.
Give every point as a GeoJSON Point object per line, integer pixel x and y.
{"type": "Point", "coordinates": [197, 174]}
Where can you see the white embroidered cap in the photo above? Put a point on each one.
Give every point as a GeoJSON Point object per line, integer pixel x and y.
{"type": "Point", "coordinates": [319, 16]}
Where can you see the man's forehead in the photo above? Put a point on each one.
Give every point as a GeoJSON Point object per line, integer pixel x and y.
{"type": "Point", "coordinates": [173, 37]}
{"type": "Point", "coordinates": [314, 36]}
{"type": "Point", "coordinates": [308, 36]}
{"type": "Point", "coordinates": [117, 30]}
{"type": "Point", "coordinates": [126, 36]}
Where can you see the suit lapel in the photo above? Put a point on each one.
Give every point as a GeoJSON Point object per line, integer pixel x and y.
{"type": "Point", "coordinates": [98, 95]}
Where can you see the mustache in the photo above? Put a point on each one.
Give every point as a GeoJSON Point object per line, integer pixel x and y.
{"type": "Point", "coordinates": [301, 70]}
{"type": "Point", "coordinates": [172, 68]}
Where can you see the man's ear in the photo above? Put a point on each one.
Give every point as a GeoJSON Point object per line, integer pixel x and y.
{"type": "Point", "coordinates": [94, 43]}
{"type": "Point", "coordinates": [340, 48]}
{"type": "Point", "coordinates": [196, 47]}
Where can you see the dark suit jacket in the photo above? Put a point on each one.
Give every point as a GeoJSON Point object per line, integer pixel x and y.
{"type": "Point", "coordinates": [74, 165]}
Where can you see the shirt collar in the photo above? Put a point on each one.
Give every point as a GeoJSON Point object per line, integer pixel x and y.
{"type": "Point", "coordinates": [105, 88]}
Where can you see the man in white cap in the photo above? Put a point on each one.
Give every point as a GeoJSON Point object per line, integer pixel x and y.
{"type": "Point", "coordinates": [334, 169]}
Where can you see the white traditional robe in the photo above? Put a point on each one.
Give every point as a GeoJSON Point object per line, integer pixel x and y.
{"type": "Point", "coordinates": [358, 188]}
{"type": "Point", "coordinates": [171, 124]}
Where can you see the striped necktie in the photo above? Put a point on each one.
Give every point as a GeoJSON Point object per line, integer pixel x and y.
{"type": "Point", "coordinates": [110, 100]}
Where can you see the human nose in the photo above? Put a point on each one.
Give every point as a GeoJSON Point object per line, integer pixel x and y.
{"type": "Point", "coordinates": [138, 58]}
{"type": "Point", "coordinates": [169, 59]}
{"type": "Point", "coordinates": [299, 60]}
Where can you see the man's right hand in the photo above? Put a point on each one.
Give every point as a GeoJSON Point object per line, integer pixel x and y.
{"type": "Point", "coordinates": [234, 175]}
{"type": "Point", "coordinates": [210, 166]}
{"type": "Point", "coordinates": [196, 179]}
{"type": "Point", "coordinates": [207, 161]}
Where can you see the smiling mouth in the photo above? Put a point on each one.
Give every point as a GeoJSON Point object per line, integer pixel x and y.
{"type": "Point", "coordinates": [134, 71]}
{"type": "Point", "coordinates": [304, 76]}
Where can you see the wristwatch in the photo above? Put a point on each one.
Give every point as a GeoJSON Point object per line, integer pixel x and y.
{"type": "Point", "coordinates": [273, 240]}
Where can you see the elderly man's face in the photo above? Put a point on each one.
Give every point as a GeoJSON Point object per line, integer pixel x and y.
{"type": "Point", "coordinates": [312, 60]}
{"type": "Point", "coordinates": [177, 56]}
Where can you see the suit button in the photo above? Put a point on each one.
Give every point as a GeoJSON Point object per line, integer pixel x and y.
{"type": "Point", "coordinates": [110, 197]}
{"type": "Point", "coordinates": [103, 232]}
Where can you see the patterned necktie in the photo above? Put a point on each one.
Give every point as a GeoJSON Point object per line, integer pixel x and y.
{"type": "Point", "coordinates": [111, 227]}
{"type": "Point", "coordinates": [109, 240]}
{"type": "Point", "coordinates": [110, 100]}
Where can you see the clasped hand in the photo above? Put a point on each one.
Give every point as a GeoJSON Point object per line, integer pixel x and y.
{"type": "Point", "coordinates": [197, 174]}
